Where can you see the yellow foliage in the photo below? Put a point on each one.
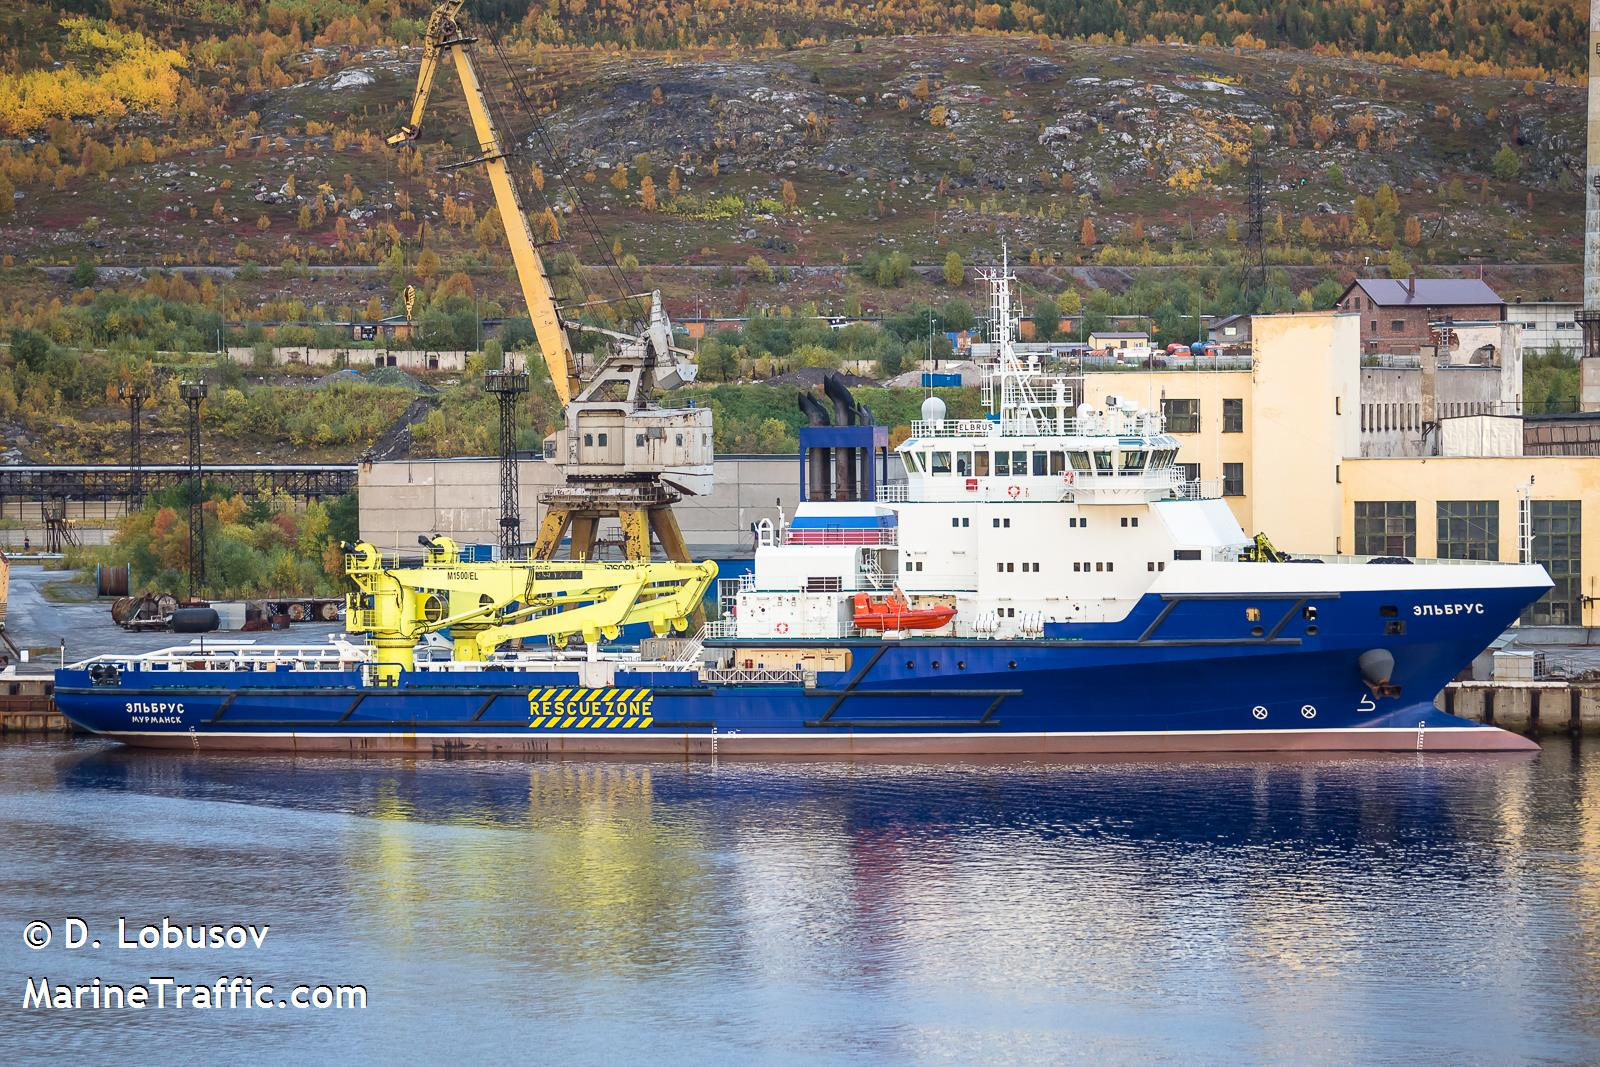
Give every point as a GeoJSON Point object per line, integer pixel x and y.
{"type": "Point", "coordinates": [131, 73]}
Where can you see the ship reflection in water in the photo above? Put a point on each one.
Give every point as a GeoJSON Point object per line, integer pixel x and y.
{"type": "Point", "coordinates": [1385, 908]}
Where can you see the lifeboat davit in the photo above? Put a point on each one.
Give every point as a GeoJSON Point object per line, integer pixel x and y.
{"type": "Point", "coordinates": [894, 612]}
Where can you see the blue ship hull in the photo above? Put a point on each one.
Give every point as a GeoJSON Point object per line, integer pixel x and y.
{"type": "Point", "coordinates": [1207, 672]}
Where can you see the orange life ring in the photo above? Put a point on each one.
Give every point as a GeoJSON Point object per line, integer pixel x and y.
{"type": "Point", "coordinates": [1014, 491]}
{"type": "Point", "coordinates": [782, 627]}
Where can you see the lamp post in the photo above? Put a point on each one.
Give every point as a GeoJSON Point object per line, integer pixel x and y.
{"type": "Point", "coordinates": [134, 395]}
{"type": "Point", "coordinates": [194, 394]}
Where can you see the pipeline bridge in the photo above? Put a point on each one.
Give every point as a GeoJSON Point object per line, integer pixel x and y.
{"type": "Point", "coordinates": [105, 491]}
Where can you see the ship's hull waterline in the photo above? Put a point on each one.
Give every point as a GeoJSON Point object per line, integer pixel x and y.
{"type": "Point", "coordinates": [1300, 688]}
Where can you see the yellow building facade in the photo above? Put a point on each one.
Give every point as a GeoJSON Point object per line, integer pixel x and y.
{"type": "Point", "coordinates": [1283, 441]}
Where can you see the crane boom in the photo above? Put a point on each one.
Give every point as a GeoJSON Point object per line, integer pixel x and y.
{"type": "Point", "coordinates": [534, 279]}
{"type": "Point", "coordinates": [484, 605]}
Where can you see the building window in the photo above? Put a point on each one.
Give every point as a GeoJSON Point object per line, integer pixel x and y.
{"type": "Point", "coordinates": [1469, 529]}
{"type": "Point", "coordinates": [1182, 416]}
{"type": "Point", "coordinates": [1233, 416]}
{"type": "Point", "coordinates": [1397, 325]}
{"type": "Point", "coordinates": [1190, 472]}
{"type": "Point", "coordinates": [1386, 527]}
{"type": "Point", "coordinates": [1233, 479]}
{"type": "Point", "coordinates": [1557, 531]}
{"type": "Point", "coordinates": [1374, 324]}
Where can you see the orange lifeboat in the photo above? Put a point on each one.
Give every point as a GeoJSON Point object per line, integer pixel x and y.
{"type": "Point", "coordinates": [894, 612]}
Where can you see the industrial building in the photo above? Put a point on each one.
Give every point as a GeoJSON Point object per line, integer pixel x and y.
{"type": "Point", "coordinates": [1398, 316]}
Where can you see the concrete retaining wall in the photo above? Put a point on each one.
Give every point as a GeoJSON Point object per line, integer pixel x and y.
{"type": "Point", "coordinates": [461, 499]}
{"type": "Point", "coordinates": [336, 358]}
{"type": "Point", "coordinates": [1527, 707]}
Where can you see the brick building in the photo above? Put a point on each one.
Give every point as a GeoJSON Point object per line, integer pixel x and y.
{"type": "Point", "coordinates": [1396, 313]}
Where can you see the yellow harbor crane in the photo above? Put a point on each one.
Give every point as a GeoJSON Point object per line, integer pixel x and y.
{"type": "Point", "coordinates": [621, 455]}
{"type": "Point", "coordinates": [484, 605]}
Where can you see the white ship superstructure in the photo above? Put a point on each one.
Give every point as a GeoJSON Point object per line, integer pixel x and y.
{"type": "Point", "coordinates": [1055, 508]}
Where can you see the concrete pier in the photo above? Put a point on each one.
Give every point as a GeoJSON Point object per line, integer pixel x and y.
{"type": "Point", "coordinates": [28, 706]}
{"type": "Point", "coordinates": [1527, 707]}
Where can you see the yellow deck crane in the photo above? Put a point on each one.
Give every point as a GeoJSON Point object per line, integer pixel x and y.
{"type": "Point", "coordinates": [484, 605]}
{"type": "Point", "coordinates": [621, 455]}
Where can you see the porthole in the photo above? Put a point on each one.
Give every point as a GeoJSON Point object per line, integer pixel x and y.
{"type": "Point", "coordinates": [961, 664]}
{"type": "Point", "coordinates": [1312, 630]}
{"type": "Point", "coordinates": [1012, 665]}
{"type": "Point", "coordinates": [1256, 631]}
{"type": "Point", "coordinates": [910, 666]}
{"type": "Point", "coordinates": [935, 664]}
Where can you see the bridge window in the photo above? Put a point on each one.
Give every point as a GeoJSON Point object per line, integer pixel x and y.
{"type": "Point", "coordinates": [964, 464]}
{"type": "Point", "coordinates": [1080, 462]}
{"type": "Point", "coordinates": [916, 462]}
{"type": "Point", "coordinates": [1132, 460]}
{"type": "Point", "coordinates": [941, 463]}
{"type": "Point", "coordinates": [980, 464]}
{"type": "Point", "coordinates": [1102, 462]}
{"type": "Point", "coordinates": [1058, 462]}
{"type": "Point", "coordinates": [1041, 464]}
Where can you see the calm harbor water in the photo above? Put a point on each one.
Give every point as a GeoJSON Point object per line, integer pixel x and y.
{"type": "Point", "coordinates": [1380, 909]}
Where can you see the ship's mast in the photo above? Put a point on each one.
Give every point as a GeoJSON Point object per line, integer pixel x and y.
{"type": "Point", "coordinates": [1018, 402]}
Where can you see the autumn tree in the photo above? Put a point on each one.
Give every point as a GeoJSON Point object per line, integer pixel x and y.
{"type": "Point", "coordinates": [1506, 165]}
{"type": "Point", "coordinates": [619, 177]}
{"type": "Point", "coordinates": [1321, 130]}
{"type": "Point", "coordinates": [263, 223]}
{"type": "Point", "coordinates": [216, 209]}
{"type": "Point", "coordinates": [427, 265]}
{"type": "Point", "coordinates": [955, 272]}
{"type": "Point", "coordinates": [920, 90]}
{"type": "Point", "coordinates": [1413, 234]}
{"type": "Point", "coordinates": [302, 219]}
{"type": "Point", "coordinates": [674, 181]}
{"type": "Point", "coordinates": [1086, 236]}
{"type": "Point", "coordinates": [790, 197]}
{"type": "Point", "coordinates": [647, 193]}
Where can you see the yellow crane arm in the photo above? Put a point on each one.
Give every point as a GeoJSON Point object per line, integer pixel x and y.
{"type": "Point", "coordinates": [664, 598]}
{"type": "Point", "coordinates": [534, 279]}
{"type": "Point", "coordinates": [486, 604]}
{"type": "Point", "coordinates": [441, 24]}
